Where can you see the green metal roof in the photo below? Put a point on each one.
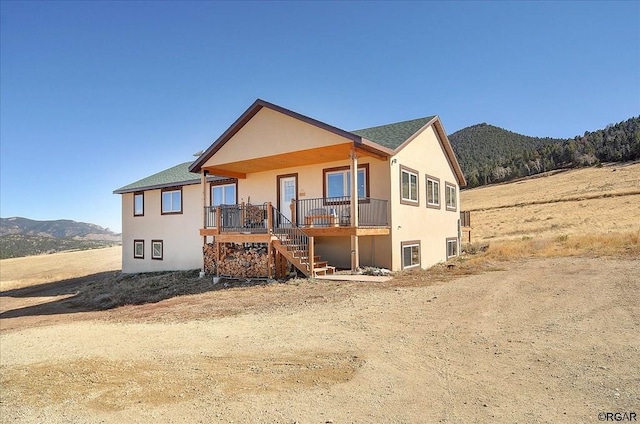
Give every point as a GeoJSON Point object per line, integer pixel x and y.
{"type": "Point", "coordinates": [393, 135]}
{"type": "Point", "coordinates": [177, 175]}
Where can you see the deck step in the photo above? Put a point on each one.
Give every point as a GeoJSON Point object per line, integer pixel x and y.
{"type": "Point", "coordinates": [325, 270]}
{"type": "Point", "coordinates": [319, 271]}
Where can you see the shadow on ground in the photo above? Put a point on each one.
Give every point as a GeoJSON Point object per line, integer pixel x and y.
{"type": "Point", "coordinates": [107, 290]}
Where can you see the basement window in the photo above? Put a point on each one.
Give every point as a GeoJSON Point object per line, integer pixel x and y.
{"type": "Point", "coordinates": [410, 254]}
{"type": "Point", "coordinates": [138, 249]}
{"type": "Point", "coordinates": [156, 249]}
{"type": "Point", "coordinates": [452, 247]}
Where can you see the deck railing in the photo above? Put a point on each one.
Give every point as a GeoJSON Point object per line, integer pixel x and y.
{"type": "Point", "coordinates": [336, 211]}
{"type": "Point", "coordinates": [238, 218]}
{"type": "Point", "coordinates": [319, 212]}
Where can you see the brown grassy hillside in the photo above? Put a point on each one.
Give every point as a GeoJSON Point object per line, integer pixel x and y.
{"type": "Point", "coordinates": [582, 201]}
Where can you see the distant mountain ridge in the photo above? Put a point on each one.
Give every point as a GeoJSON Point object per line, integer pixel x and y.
{"type": "Point", "coordinates": [489, 154]}
{"type": "Point", "coordinates": [61, 228]}
{"type": "Point", "coordinates": [25, 237]}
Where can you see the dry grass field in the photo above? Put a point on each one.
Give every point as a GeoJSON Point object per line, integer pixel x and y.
{"type": "Point", "coordinates": [580, 201]}
{"type": "Point", "coordinates": [28, 271]}
{"type": "Point", "coordinates": [542, 326]}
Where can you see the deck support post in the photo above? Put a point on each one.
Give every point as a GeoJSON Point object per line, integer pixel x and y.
{"type": "Point", "coordinates": [312, 253]}
{"type": "Point", "coordinates": [203, 182]}
{"type": "Point", "coordinates": [355, 254]}
{"type": "Point", "coordinates": [269, 258]}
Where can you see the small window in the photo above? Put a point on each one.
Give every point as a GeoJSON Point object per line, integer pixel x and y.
{"type": "Point", "coordinates": [138, 249]}
{"type": "Point", "coordinates": [156, 249]}
{"type": "Point", "coordinates": [410, 254]}
{"type": "Point", "coordinates": [451, 197]}
{"type": "Point", "coordinates": [337, 181]}
{"type": "Point", "coordinates": [452, 247]}
{"type": "Point", "coordinates": [224, 194]}
{"type": "Point", "coordinates": [433, 192]}
{"type": "Point", "coordinates": [408, 186]}
{"type": "Point", "coordinates": [172, 201]}
{"type": "Point", "coordinates": [138, 204]}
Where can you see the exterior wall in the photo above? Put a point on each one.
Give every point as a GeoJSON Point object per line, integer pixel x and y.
{"type": "Point", "coordinates": [182, 244]}
{"type": "Point", "coordinates": [271, 133]}
{"type": "Point", "coordinates": [431, 226]}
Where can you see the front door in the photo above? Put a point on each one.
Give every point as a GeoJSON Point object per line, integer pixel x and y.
{"type": "Point", "coordinates": [287, 190]}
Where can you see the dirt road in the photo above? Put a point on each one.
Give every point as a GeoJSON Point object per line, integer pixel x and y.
{"type": "Point", "coordinates": [546, 340]}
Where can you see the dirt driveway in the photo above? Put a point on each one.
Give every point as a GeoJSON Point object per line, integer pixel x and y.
{"type": "Point", "coordinates": [545, 340]}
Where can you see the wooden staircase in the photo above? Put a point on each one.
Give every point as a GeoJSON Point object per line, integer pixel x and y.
{"type": "Point", "coordinates": [297, 255]}
{"type": "Point", "coordinates": [297, 247]}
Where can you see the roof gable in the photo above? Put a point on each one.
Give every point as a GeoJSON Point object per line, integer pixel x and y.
{"type": "Point", "coordinates": [249, 114]}
{"type": "Point", "coordinates": [393, 135]}
{"type": "Point", "coordinates": [384, 138]}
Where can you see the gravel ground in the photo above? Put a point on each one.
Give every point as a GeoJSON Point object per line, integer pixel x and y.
{"type": "Point", "coordinates": [545, 340]}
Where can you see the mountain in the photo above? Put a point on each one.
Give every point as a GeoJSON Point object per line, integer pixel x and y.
{"type": "Point", "coordinates": [489, 154]}
{"type": "Point", "coordinates": [25, 237]}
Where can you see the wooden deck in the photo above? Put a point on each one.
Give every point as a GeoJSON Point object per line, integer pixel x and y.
{"type": "Point", "coordinates": [262, 237]}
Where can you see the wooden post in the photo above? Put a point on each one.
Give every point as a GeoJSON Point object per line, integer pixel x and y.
{"type": "Point", "coordinates": [355, 255]}
{"type": "Point", "coordinates": [218, 218]}
{"type": "Point", "coordinates": [269, 258]}
{"type": "Point", "coordinates": [312, 258]}
{"type": "Point", "coordinates": [294, 217]}
{"type": "Point", "coordinates": [203, 182]}
{"type": "Point", "coordinates": [242, 214]}
{"type": "Point", "coordinates": [217, 258]}
{"type": "Point", "coordinates": [269, 217]}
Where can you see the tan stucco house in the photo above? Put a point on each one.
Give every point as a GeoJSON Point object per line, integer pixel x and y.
{"type": "Point", "coordinates": [312, 195]}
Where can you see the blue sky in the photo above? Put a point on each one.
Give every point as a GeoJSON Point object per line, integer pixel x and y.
{"type": "Point", "coordinates": [96, 95]}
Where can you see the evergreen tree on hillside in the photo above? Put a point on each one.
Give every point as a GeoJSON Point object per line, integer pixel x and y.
{"type": "Point", "coordinates": [489, 154]}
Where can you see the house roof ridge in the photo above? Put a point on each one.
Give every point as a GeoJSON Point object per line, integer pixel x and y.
{"type": "Point", "coordinates": [175, 175]}
{"type": "Point", "coordinates": [394, 134]}
{"type": "Point", "coordinates": [424, 119]}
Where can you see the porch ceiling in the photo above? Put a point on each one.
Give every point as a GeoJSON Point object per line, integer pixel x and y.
{"type": "Point", "coordinates": [335, 152]}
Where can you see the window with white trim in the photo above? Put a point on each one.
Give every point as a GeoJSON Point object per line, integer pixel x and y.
{"type": "Point", "coordinates": [433, 192]}
{"type": "Point", "coordinates": [138, 249]}
{"type": "Point", "coordinates": [408, 186]}
{"type": "Point", "coordinates": [452, 247]}
{"type": "Point", "coordinates": [223, 194]}
{"type": "Point", "coordinates": [156, 249]}
{"type": "Point", "coordinates": [138, 204]}
{"type": "Point", "coordinates": [172, 201]}
{"type": "Point", "coordinates": [410, 254]}
{"type": "Point", "coordinates": [451, 197]}
{"type": "Point", "coordinates": [338, 182]}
